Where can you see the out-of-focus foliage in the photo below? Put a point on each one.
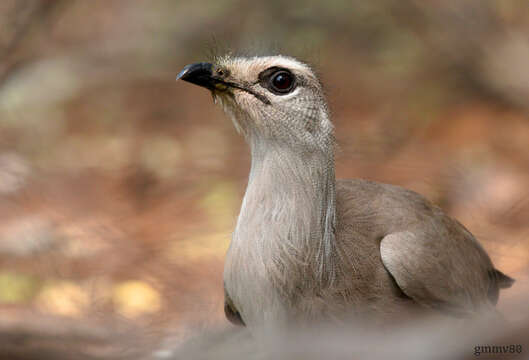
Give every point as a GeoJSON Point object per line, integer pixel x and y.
{"type": "Point", "coordinates": [135, 298]}
{"type": "Point", "coordinates": [17, 288]}
{"type": "Point", "coordinates": [63, 298]}
{"type": "Point", "coordinates": [119, 187]}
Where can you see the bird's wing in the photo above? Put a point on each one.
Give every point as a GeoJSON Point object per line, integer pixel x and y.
{"type": "Point", "coordinates": [433, 258]}
{"type": "Point", "coordinates": [453, 275]}
{"type": "Point", "coordinates": [231, 312]}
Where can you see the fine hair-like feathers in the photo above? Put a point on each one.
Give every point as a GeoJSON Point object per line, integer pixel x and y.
{"type": "Point", "coordinates": [308, 247]}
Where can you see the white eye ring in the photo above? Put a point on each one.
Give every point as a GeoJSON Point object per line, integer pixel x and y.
{"type": "Point", "coordinates": [287, 96]}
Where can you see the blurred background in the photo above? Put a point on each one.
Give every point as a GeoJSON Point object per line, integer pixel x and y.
{"type": "Point", "coordinates": [119, 187]}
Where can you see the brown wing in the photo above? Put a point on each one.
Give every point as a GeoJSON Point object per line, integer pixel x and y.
{"type": "Point", "coordinates": [448, 273]}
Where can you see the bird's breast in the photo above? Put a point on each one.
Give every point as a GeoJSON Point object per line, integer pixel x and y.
{"type": "Point", "coordinates": [252, 288]}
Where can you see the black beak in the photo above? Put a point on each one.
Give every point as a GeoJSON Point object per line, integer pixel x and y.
{"type": "Point", "coordinates": [199, 74]}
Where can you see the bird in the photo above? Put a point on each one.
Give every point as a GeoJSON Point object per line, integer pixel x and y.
{"type": "Point", "coordinates": [307, 246]}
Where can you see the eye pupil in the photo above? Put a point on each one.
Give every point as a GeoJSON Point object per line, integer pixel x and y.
{"type": "Point", "coordinates": [282, 81]}
{"type": "Point", "coordinates": [278, 81]}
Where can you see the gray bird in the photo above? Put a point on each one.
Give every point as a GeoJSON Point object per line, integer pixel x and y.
{"type": "Point", "coordinates": [307, 246]}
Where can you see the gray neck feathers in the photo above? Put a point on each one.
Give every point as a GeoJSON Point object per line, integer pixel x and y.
{"type": "Point", "coordinates": [288, 213]}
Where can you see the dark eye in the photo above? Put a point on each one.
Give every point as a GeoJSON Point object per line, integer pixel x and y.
{"type": "Point", "coordinates": [279, 81]}
{"type": "Point", "coordinates": [282, 82]}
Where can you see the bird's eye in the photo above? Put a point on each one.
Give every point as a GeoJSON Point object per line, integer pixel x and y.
{"type": "Point", "coordinates": [282, 82]}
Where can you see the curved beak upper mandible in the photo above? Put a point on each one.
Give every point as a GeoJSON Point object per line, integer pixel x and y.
{"type": "Point", "coordinates": [200, 74]}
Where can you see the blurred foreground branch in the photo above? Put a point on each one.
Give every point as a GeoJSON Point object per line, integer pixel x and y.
{"type": "Point", "coordinates": [28, 336]}
{"type": "Point", "coordinates": [47, 338]}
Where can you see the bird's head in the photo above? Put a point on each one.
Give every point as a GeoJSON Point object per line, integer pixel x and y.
{"type": "Point", "coordinates": [272, 99]}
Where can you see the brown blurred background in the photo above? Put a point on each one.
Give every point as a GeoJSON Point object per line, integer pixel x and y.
{"type": "Point", "coordinates": [119, 187]}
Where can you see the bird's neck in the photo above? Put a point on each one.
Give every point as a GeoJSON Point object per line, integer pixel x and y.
{"type": "Point", "coordinates": [288, 211]}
